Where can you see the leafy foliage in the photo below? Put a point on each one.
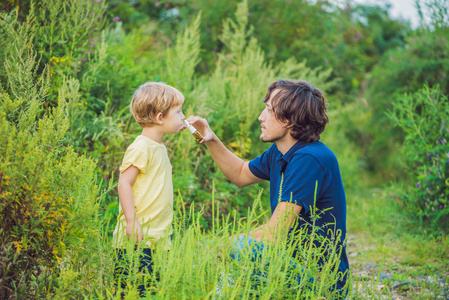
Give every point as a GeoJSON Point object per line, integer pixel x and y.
{"type": "Point", "coordinates": [68, 69]}
{"type": "Point", "coordinates": [423, 116]}
{"type": "Point", "coordinates": [348, 41]}
{"type": "Point", "coordinates": [47, 192]}
{"type": "Point", "coordinates": [208, 271]}
{"type": "Point", "coordinates": [424, 60]}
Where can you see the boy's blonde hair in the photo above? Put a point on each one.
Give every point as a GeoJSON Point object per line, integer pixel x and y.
{"type": "Point", "coordinates": [152, 98]}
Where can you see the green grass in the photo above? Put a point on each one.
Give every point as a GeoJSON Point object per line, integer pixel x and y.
{"type": "Point", "coordinates": [198, 264]}
{"type": "Point", "coordinates": [381, 233]}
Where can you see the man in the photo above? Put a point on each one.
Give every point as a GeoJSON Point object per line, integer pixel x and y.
{"type": "Point", "coordinates": [296, 165]}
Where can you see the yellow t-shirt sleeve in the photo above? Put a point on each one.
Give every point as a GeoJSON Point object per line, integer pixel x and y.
{"type": "Point", "coordinates": [136, 156]}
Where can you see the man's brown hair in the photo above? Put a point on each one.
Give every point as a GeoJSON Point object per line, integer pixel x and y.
{"type": "Point", "coordinates": [152, 98]}
{"type": "Point", "coordinates": [301, 106]}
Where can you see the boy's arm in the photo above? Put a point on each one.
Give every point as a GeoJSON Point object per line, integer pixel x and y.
{"type": "Point", "coordinates": [233, 167]}
{"type": "Point", "coordinates": [125, 193]}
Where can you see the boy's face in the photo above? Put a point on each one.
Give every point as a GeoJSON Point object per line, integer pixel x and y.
{"type": "Point", "coordinates": [173, 121]}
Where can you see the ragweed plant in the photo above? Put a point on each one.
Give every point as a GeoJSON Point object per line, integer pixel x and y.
{"type": "Point", "coordinates": [65, 35]}
{"type": "Point", "coordinates": [200, 264]}
{"type": "Point", "coordinates": [47, 193]}
{"type": "Point", "coordinates": [424, 117]}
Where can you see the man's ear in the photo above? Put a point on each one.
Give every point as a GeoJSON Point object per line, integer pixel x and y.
{"type": "Point", "coordinates": [158, 118]}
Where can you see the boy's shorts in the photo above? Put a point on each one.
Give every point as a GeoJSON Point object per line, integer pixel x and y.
{"type": "Point", "coordinates": [123, 266]}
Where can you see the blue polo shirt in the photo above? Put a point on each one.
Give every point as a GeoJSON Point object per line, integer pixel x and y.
{"type": "Point", "coordinates": [292, 179]}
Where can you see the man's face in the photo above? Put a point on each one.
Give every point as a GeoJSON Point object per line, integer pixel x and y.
{"type": "Point", "coordinates": [273, 130]}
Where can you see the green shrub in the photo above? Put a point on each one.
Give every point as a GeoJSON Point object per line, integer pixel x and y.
{"type": "Point", "coordinates": [347, 40]}
{"type": "Point", "coordinates": [423, 60]}
{"type": "Point", "coordinates": [337, 136]}
{"type": "Point", "coordinates": [68, 43]}
{"type": "Point", "coordinates": [63, 34]}
{"type": "Point", "coordinates": [47, 190]}
{"type": "Point", "coordinates": [424, 116]}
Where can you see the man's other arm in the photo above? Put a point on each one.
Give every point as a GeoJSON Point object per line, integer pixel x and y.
{"type": "Point", "coordinates": [280, 223]}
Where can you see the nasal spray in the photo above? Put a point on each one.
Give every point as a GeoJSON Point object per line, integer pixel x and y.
{"type": "Point", "coordinates": [193, 131]}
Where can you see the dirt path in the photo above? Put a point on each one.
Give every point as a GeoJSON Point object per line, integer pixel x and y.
{"type": "Point", "coordinates": [379, 272]}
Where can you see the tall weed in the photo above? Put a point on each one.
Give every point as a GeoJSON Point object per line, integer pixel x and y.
{"type": "Point", "coordinates": [423, 60]}
{"type": "Point", "coordinates": [47, 191]}
{"type": "Point", "coordinates": [199, 263]}
{"type": "Point", "coordinates": [423, 116]}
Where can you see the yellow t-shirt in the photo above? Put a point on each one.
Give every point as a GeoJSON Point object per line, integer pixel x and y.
{"type": "Point", "coordinates": [152, 193]}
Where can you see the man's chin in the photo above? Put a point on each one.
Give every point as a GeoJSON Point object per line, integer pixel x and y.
{"type": "Point", "coordinates": [264, 139]}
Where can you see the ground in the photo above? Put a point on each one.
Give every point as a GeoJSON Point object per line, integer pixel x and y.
{"type": "Point", "coordinates": [389, 258]}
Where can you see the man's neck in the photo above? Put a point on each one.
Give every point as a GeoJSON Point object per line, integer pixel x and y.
{"type": "Point", "coordinates": [153, 133]}
{"type": "Point", "coordinates": [285, 144]}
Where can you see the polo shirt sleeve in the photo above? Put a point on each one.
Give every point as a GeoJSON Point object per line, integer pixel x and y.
{"type": "Point", "coordinates": [300, 179]}
{"type": "Point", "coordinates": [136, 156]}
{"type": "Point", "coordinates": [260, 166]}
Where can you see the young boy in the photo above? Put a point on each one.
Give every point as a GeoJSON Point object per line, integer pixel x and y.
{"type": "Point", "coordinates": [145, 185]}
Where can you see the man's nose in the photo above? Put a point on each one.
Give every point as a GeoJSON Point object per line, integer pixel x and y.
{"type": "Point", "coordinates": [261, 117]}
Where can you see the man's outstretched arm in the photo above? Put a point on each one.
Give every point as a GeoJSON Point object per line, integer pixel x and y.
{"type": "Point", "coordinates": [233, 167]}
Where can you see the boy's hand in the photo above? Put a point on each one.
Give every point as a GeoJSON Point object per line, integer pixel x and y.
{"type": "Point", "coordinates": [137, 234]}
{"type": "Point", "coordinates": [203, 127]}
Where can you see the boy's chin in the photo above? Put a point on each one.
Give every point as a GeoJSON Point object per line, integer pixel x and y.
{"type": "Point", "coordinates": [181, 128]}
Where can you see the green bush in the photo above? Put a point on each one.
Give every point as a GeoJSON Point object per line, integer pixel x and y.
{"type": "Point", "coordinates": [424, 116]}
{"type": "Point", "coordinates": [47, 192]}
{"type": "Point", "coordinates": [423, 60]}
{"type": "Point", "coordinates": [48, 219]}
{"type": "Point", "coordinates": [68, 46]}
{"type": "Point", "coordinates": [63, 34]}
{"type": "Point", "coordinates": [348, 40]}
{"type": "Point", "coordinates": [68, 43]}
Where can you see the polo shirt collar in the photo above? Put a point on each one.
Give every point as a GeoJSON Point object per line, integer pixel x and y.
{"type": "Point", "coordinates": [285, 159]}
{"type": "Point", "coordinates": [288, 156]}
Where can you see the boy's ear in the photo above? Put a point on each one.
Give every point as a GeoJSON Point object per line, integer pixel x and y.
{"type": "Point", "coordinates": [158, 118]}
